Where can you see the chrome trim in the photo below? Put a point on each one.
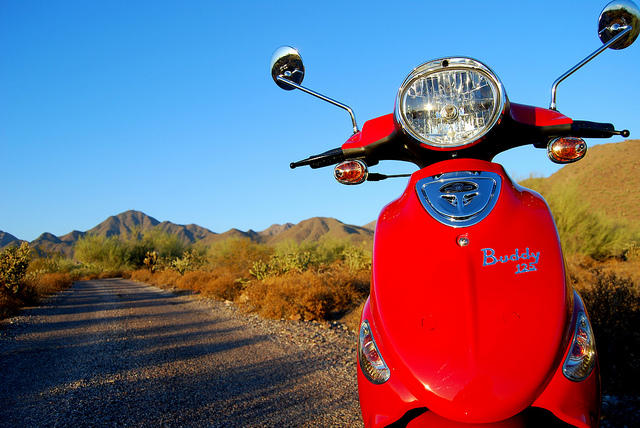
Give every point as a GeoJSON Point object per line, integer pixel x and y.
{"type": "Point", "coordinates": [618, 28]}
{"type": "Point", "coordinates": [554, 87]}
{"type": "Point", "coordinates": [287, 70]}
{"type": "Point", "coordinates": [460, 199]}
{"type": "Point", "coordinates": [450, 112]}
{"type": "Point", "coordinates": [284, 80]}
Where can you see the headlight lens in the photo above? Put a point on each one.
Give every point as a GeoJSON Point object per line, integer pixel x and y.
{"type": "Point", "coordinates": [450, 103]}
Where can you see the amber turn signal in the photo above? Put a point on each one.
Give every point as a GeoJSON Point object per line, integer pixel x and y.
{"type": "Point", "coordinates": [351, 172]}
{"type": "Point", "coordinates": [566, 149]}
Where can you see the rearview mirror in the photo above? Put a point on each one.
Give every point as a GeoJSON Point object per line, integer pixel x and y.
{"type": "Point", "coordinates": [618, 28]}
{"type": "Point", "coordinates": [615, 18]}
{"type": "Point", "coordinates": [286, 63]}
{"type": "Point", "coordinates": [287, 71]}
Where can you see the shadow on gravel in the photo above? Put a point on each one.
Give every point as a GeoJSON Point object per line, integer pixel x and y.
{"type": "Point", "coordinates": [117, 353]}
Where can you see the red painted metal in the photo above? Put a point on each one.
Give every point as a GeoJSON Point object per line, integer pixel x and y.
{"type": "Point", "coordinates": [475, 333]}
{"type": "Point", "coordinates": [372, 131]}
{"type": "Point", "coordinates": [538, 116]}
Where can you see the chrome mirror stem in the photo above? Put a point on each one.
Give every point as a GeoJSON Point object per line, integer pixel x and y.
{"type": "Point", "coordinates": [322, 97]}
{"type": "Point", "coordinates": [623, 31]}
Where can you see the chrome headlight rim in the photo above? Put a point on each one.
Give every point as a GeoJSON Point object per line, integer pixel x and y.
{"type": "Point", "coordinates": [450, 64]}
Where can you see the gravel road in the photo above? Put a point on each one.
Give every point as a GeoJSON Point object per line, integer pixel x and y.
{"type": "Point", "coordinates": [119, 353]}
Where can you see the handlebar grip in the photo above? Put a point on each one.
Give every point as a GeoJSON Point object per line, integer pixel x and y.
{"type": "Point", "coordinates": [327, 158]}
{"type": "Point", "coordinates": [583, 128]}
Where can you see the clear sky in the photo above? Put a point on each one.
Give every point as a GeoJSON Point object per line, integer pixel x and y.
{"type": "Point", "coordinates": [168, 107]}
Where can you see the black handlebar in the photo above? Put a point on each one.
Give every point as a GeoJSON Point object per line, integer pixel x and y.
{"type": "Point", "coordinates": [582, 128]}
{"type": "Point", "coordinates": [393, 146]}
{"type": "Point", "coordinates": [324, 159]}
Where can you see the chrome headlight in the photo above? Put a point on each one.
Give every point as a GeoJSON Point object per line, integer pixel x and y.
{"type": "Point", "coordinates": [450, 102]}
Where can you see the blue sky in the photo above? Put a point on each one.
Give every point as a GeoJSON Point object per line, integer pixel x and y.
{"type": "Point", "coordinates": [168, 107]}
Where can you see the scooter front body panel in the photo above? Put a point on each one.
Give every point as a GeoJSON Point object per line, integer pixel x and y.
{"type": "Point", "coordinates": [472, 317]}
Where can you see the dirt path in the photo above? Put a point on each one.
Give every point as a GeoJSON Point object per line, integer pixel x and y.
{"type": "Point", "coordinates": [120, 353]}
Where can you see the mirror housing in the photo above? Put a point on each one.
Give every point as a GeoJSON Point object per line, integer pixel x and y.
{"type": "Point", "coordinates": [615, 18]}
{"type": "Point", "coordinates": [286, 63]}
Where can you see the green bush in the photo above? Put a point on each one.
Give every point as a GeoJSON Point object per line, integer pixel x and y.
{"type": "Point", "coordinates": [22, 284]}
{"type": "Point", "coordinates": [191, 260]}
{"type": "Point", "coordinates": [613, 303]}
{"type": "Point", "coordinates": [14, 262]}
{"type": "Point", "coordinates": [104, 253]}
{"type": "Point", "coordinates": [582, 229]}
{"type": "Point", "coordinates": [238, 255]}
{"type": "Point", "coordinates": [357, 258]}
{"type": "Point", "coordinates": [114, 254]}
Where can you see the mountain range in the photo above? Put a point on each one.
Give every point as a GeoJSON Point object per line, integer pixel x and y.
{"type": "Point", "coordinates": [608, 178]}
{"type": "Point", "coordinates": [136, 222]}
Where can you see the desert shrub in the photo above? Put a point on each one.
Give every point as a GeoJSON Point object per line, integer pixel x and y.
{"type": "Point", "coordinates": [50, 262]}
{"type": "Point", "coordinates": [584, 230]}
{"type": "Point", "coordinates": [22, 284]}
{"type": "Point", "coordinates": [112, 273]}
{"type": "Point", "coordinates": [9, 305]}
{"type": "Point", "coordinates": [300, 295]}
{"type": "Point", "coordinates": [191, 260]}
{"type": "Point", "coordinates": [141, 275]}
{"type": "Point", "coordinates": [238, 255]}
{"type": "Point", "coordinates": [308, 295]}
{"type": "Point", "coordinates": [281, 263]}
{"type": "Point", "coordinates": [115, 254]}
{"type": "Point", "coordinates": [357, 258]}
{"type": "Point", "coordinates": [102, 253]}
{"type": "Point", "coordinates": [84, 273]}
{"type": "Point", "coordinates": [632, 251]}
{"type": "Point", "coordinates": [328, 251]}
{"type": "Point", "coordinates": [150, 261]}
{"type": "Point", "coordinates": [352, 317]}
{"type": "Point", "coordinates": [293, 257]}
{"type": "Point", "coordinates": [195, 280]}
{"type": "Point", "coordinates": [166, 245]}
{"type": "Point", "coordinates": [613, 303]}
{"type": "Point", "coordinates": [219, 283]}
{"type": "Point", "coordinates": [135, 252]}
{"type": "Point", "coordinates": [14, 262]}
{"type": "Point", "coordinates": [50, 283]}
{"type": "Point", "coordinates": [166, 278]}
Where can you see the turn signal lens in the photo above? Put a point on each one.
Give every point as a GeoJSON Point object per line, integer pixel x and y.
{"type": "Point", "coordinates": [371, 362]}
{"type": "Point", "coordinates": [351, 172]}
{"type": "Point", "coordinates": [566, 149]}
{"type": "Point", "coordinates": [582, 353]}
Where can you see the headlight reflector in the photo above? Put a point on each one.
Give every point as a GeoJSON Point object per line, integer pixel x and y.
{"type": "Point", "coordinates": [450, 103]}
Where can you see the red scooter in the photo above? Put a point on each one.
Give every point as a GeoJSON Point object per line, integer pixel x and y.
{"type": "Point", "coordinates": [466, 325]}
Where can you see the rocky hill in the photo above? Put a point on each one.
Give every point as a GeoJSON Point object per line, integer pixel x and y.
{"type": "Point", "coordinates": [608, 179]}
{"type": "Point", "coordinates": [7, 239]}
{"type": "Point", "coordinates": [135, 223]}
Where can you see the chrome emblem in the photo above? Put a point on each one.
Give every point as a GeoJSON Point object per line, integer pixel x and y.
{"type": "Point", "coordinates": [459, 199]}
{"type": "Point", "coordinates": [459, 192]}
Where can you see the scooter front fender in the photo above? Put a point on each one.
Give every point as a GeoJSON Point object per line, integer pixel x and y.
{"type": "Point", "coordinates": [472, 321]}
